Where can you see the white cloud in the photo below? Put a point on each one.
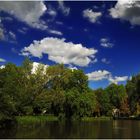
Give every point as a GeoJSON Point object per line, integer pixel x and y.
{"type": "Point", "coordinates": [128, 10]}
{"type": "Point", "coordinates": [60, 51]}
{"type": "Point", "coordinates": [130, 78]}
{"type": "Point", "coordinates": [23, 30]}
{"type": "Point", "coordinates": [29, 12]}
{"type": "Point", "coordinates": [14, 50]}
{"type": "Point", "coordinates": [105, 42]}
{"type": "Point", "coordinates": [2, 60]}
{"type": "Point", "coordinates": [98, 75]}
{"type": "Point", "coordinates": [92, 16]}
{"type": "Point", "coordinates": [2, 67]}
{"type": "Point", "coordinates": [59, 22]}
{"type": "Point", "coordinates": [10, 19]}
{"type": "Point", "coordinates": [2, 36]}
{"type": "Point", "coordinates": [104, 60]}
{"type": "Point", "coordinates": [36, 65]}
{"type": "Point", "coordinates": [51, 11]}
{"type": "Point", "coordinates": [55, 32]}
{"type": "Point", "coordinates": [95, 60]}
{"type": "Point", "coordinates": [12, 35]}
{"type": "Point", "coordinates": [105, 75]}
{"type": "Point", "coordinates": [7, 36]}
{"type": "Point", "coordinates": [85, 30]}
{"type": "Point", "coordinates": [117, 79]}
{"type": "Point", "coordinates": [72, 68]}
{"type": "Point", "coordinates": [65, 10]}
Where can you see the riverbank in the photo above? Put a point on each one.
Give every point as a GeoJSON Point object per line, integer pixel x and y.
{"type": "Point", "coordinates": [102, 118]}
{"type": "Point", "coordinates": [127, 118]}
{"type": "Point", "coordinates": [54, 118]}
{"type": "Point", "coordinates": [31, 119]}
{"type": "Point", "coordinates": [36, 118]}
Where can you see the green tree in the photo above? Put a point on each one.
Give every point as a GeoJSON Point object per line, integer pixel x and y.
{"type": "Point", "coordinates": [78, 104]}
{"type": "Point", "coordinates": [103, 101]}
{"type": "Point", "coordinates": [124, 107]}
{"type": "Point", "coordinates": [116, 94]}
{"type": "Point", "coordinates": [133, 91]}
{"type": "Point", "coordinates": [7, 87]}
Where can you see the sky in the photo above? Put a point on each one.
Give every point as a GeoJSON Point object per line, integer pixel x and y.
{"type": "Point", "coordinates": [99, 37]}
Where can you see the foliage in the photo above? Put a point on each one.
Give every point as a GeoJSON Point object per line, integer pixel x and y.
{"type": "Point", "coordinates": [62, 92]}
{"type": "Point", "coordinates": [30, 119]}
{"type": "Point", "coordinates": [124, 107]}
{"type": "Point", "coordinates": [103, 101]}
{"type": "Point", "coordinates": [133, 91]}
{"type": "Point", "coordinates": [116, 94]}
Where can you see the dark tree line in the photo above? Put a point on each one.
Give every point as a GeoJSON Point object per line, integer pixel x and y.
{"type": "Point", "coordinates": [62, 92]}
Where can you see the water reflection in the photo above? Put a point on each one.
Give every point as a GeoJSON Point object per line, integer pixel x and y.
{"type": "Point", "coordinates": [77, 129]}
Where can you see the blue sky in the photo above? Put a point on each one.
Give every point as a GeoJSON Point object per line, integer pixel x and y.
{"type": "Point", "coordinates": [101, 38]}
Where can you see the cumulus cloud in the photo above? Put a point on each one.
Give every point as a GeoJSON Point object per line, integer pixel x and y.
{"type": "Point", "coordinates": [117, 79]}
{"type": "Point", "coordinates": [36, 66]}
{"type": "Point", "coordinates": [55, 32]}
{"type": "Point", "coordinates": [12, 35]}
{"type": "Point", "coordinates": [92, 16]}
{"type": "Point", "coordinates": [9, 19]}
{"type": "Point", "coordinates": [98, 75]}
{"type": "Point", "coordinates": [128, 10]}
{"type": "Point", "coordinates": [2, 60]}
{"type": "Point", "coordinates": [105, 75]}
{"type": "Point", "coordinates": [104, 60]}
{"type": "Point", "coordinates": [59, 22]}
{"type": "Point", "coordinates": [51, 11]}
{"type": "Point", "coordinates": [105, 42]}
{"type": "Point", "coordinates": [2, 67]}
{"type": "Point", "coordinates": [65, 10]}
{"type": "Point", "coordinates": [14, 50]}
{"type": "Point", "coordinates": [23, 30]}
{"type": "Point", "coordinates": [60, 51]}
{"type": "Point", "coordinates": [2, 36]}
{"type": "Point", "coordinates": [72, 68]}
{"type": "Point", "coordinates": [94, 60]}
{"type": "Point", "coordinates": [7, 36]}
{"type": "Point", "coordinates": [29, 12]}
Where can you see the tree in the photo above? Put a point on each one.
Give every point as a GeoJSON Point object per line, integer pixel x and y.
{"type": "Point", "coordinates": [103, 101]}
{"type": "Point", "coordinates": [124, 107]}
{"type": "Point", "coordinates": [116, 94]}
{"type": "Point", "coordinates": [71, 103]}
{"type": "Point", "coordinates": [7, 86]}
{"type": "Point", "coordinates": [133, 91]}
{"type": "Point", "coordinates": [87, 104]}
{"type": "Point", "coordinates": [78, 104]}
{"type": "Point", "coordinates": [66, 79]}
{"type": "Point", "coordinates": [78, 80]}
{"type": "Point", "coordinates": [137, 110]}
{"type": "Point", "coordinates": [62, 92]}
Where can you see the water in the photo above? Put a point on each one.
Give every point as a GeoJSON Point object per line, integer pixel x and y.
{"type": "Point", "coordinates": [92, 129]}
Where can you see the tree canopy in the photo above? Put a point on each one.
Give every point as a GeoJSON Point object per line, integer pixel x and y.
{"type": "Point", "coordinates": [62, 92]}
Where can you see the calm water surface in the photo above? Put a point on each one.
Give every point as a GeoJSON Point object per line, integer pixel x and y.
{"type": "Point", "coordinates": [93, 129]}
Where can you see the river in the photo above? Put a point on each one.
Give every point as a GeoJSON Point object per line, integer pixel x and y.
{"type": "Point", "coordinates": [76, 129]}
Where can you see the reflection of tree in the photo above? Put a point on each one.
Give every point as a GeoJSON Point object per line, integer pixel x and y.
{"type": "Point", "coordinates": [9, 131]}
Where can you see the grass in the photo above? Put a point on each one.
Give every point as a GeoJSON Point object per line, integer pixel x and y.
{"type": "Point", "coordinates": [103, 118]}
{"type": "Point", "coordinates": [31, 119]}
{"type": "Point", "coordinates": [27, 119]}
